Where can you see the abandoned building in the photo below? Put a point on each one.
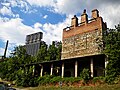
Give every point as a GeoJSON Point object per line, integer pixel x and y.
{"type": "Point", "coordinates": [33, 43]}
{"type": "Point", "coordinates": [82, 46]}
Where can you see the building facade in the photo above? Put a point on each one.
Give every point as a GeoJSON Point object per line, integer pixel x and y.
{"type": "Point", "coordinates": [85, 38]}
{"type": "Point", "coordinates": [82, 46]}
{"type": "Point", "coordinates": [33, 43]}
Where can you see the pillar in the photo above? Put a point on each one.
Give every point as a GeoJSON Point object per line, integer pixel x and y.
{"type": "Point", "coordinates": [51, 73]}
{"type": "Point", "coordinates": [106, 62]}
{"type": "Point", "coordinates": [26, 69]}
{"type": "Point", "coordinates": [84, 17]}
{"type": "Point", "coordinates": [33, 70]}
{"type": "Point", "coordinates": [76, 68]}
{"type": "Point", "coordinates": [62, 70]}
{"type": "Point", "coordinates": [91, 67]}
{"type": "Point", "coordinates": [74, 21]}
{"type": "Point", "coordinates": [95, 13]}
{"type": "Point", "coordinates": [41, 73]}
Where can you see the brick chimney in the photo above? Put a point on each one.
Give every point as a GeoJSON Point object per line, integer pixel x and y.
{"type": "Point", "coordinates": [95, 13]}
{"type": "Point", "coordinates": [84, 17]}
{"type": "Point", "coordinates": [74, 21]}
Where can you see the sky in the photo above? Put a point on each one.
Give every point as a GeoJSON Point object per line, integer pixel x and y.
{"type": "Point", "coordinates": [19, 18]}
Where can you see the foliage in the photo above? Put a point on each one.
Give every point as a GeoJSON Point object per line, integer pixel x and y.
{"type": "Point", "coordinates": [3, 69]}
{"type": "Point", "coordinates": [41, 53]}
{"type": "Point", "coordinates": [47, 79]}
{"type": "Point", "coordinates": [55, 80]}
{"type": "Point", "coordinates": [53, 52]}
{"type": "Point", "coordinates": [70, 80]}
{"type": "Point", "coordinates": [44, 80]}
{"type": "Point", "coordinates": [101, 87]}
{"type": "Point", "coordinates": [14, 62]}
{"type": "Point", "coordinates": [85, 74]}
{"type": "Point", "coordinates": [26, 78]}
{"type": "Point", "coordinates": [112, 51]}
{"type": "Point", "coordinates": [99, 80]}
{"type": "Point", "coordinates": [19, 58]}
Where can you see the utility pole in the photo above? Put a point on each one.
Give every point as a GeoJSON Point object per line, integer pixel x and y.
{"type": "Point", "coordinates": [5, 49]}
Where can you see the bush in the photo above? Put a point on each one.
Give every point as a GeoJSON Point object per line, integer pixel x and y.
{"type": "Point", "coordinates": [47, 79]}
{"type": "Point", "coordinates": [85, 74]}
{"type": "Point", "coordinates": [99, 80]}
{"type": "Point", "coordinates": [70, 80]}
{"type": "Point", "coordinates": [55, 80]}
{"type": "Point", "coordinates": [26, 79]}
{"type": "Point", "coordinates": [44, 79]}
{"type": "Point", "coordinates": [111, 80]}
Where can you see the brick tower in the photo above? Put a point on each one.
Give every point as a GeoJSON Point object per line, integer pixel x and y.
{"type": "Point", "coordinates": [84, 38]}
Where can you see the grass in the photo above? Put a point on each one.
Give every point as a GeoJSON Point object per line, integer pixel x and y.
{"type": "Point", "coordinates": [101, 87]}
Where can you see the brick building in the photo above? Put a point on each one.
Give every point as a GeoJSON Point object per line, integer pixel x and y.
{"type": "Point", "coordinates": [85, 38]}
{"type": "Point", "coordinates": [82, 46]}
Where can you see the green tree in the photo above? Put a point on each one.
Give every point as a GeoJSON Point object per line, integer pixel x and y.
{"type": "Point", "coordinates": [59, 50]}
{"type": "Point", "coordinates": [12, 64]}
{"type": "Point", "coordinates": [20, 56]}
{"type": "Point", "coordinates": [13, 68]}
{"type": "Point", "coordinates": [54, 51]}
{"type": "Point", "coordinates": [112, 51]}
{"type": "Point", "coordinates": [40, 57]}
{"type": "Point", "coordinates": [85, 74]}
{"type": "Point", "coordinates": [3, 69]}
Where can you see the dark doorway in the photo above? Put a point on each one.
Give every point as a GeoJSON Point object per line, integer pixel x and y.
{"type": "Point", "coordinates": [67, 74]}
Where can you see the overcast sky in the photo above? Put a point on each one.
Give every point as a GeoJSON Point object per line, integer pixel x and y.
{"type": "Point", "coordinates": [19, 18]}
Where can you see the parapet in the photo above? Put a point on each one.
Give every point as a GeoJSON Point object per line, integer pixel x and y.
{"type": "Point", "coordinates": [74, 21]}
{"type": "Point", "coordinates": [95, 13]}
{"type": "Point", "coordinates": [34, 37]}
{"type": "Point", "coordinates": [85, 25]}
{"type": "Point", "coordinates": [84, 19]}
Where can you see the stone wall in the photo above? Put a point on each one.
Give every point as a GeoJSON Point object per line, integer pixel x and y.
{"type": "Point", "coordinates": [84, 39]}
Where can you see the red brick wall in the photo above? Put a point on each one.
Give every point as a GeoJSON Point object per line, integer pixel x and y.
{"type": "Point", "coordinates": [83, 40]}
{"type": "Point", "coordinates": [97, 24]}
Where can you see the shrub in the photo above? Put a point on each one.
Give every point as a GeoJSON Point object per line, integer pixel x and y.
{"type": "Point", "coordinates": [110, 79]}
{"type": "Point", "coordinates": [55, 80]}
{"type": "Point", "coordinates": [99, 80]}
{"type": "Point", "coordinates": [70, 80]}
{"type": "Point", "coordinates": [85, 74]}
{"type": "Point", "coordinates": [44, 79]}
{"type": "Point", "coordinates": [26, 79]}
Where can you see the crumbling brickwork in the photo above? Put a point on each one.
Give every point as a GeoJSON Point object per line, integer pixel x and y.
{"type": "Point", "coordinates": [85, 38]}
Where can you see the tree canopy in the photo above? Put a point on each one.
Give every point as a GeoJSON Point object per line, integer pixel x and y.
{"type": "Point", "coordinates": [19, 58]}
{"type": "Point", "coordinates": [51, 52]}
{"type": "Point", "coordinates": [112, 51]}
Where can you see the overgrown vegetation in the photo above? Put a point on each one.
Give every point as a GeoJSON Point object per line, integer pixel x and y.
{"type": "Point", "coordinates": [12, 68]}
{"type": "Point", "coordinates": [101, 87]}
{"type": "Point", "coordinates": [85, 74]}
{"type": "Point", "coordinates": [112, 51]}
{"type": "Point", "coordinates": [53, 52]}
{"type": "Point", "coordinates": [26, 79]}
